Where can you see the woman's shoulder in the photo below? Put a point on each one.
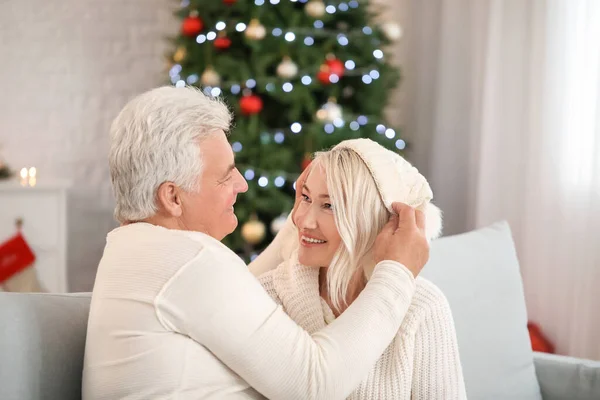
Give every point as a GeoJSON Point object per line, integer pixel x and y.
{"type": "Point", "coordinates": [428, 298]}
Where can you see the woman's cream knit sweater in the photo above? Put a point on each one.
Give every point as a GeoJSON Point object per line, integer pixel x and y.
{"type": "Point", "coordinates": [422, 362]}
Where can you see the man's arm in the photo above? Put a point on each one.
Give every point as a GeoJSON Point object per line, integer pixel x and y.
{"type": "Point", "coordinates": [216, 301]}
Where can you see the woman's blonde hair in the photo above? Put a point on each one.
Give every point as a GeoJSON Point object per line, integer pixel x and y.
{"type": "Point", "coordinates": [359, 215]}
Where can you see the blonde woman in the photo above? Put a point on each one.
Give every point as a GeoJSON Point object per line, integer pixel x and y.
{"type": "Point", "coordinates": [346, 201]}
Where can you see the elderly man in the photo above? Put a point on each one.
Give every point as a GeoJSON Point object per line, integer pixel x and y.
{"type": "Point", "coordinates": [176, 314]}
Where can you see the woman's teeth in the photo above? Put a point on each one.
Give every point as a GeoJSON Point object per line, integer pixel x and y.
{"type": "Point", "coordinates": [311, 240]}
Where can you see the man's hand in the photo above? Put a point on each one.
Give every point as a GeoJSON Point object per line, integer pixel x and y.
{"type": "Point", "coordinates": [403, 239]}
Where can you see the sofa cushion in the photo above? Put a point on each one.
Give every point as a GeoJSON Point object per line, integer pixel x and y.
{"type": "Point", "coordinates": [479, 273]}
{"type": "Point", "coordinates": [43, 340]}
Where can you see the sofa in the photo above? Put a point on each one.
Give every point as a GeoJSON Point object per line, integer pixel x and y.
{"type": "Point", "coordinates": [42, 339]}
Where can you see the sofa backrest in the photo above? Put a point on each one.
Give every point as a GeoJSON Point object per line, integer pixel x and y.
{"type": "Point", "coordinates": [42, 342]}
{"type": "Point", "coordinates": [479, 273]}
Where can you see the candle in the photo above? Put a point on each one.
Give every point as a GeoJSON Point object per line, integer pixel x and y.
{"type": "Point", "coordinates": [28, 176]}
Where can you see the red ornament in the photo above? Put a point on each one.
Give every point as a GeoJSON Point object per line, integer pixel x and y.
{"type": "Point", "coordinates": [192, 26]}
{"type": "Point", "coordinates": [323, 75]}
{"type": "Point", "coordinates": [251, 104]}
{"type": "Point", "coordinates": [335, 66]}
{"type": "Point", "coordinates": [305, 163]}
{"type": "Point", "coordinates": [222, 42]}
{"type": "Point", "coordinates": [229, 2]}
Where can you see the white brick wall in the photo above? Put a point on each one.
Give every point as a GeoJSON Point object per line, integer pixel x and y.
{"type": "Point", "coordinates": [67, 67]}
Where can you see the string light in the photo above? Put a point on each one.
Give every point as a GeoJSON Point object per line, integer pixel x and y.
{"type": "Point", "coordinates": [192, 79]}
{"type": "Point", "coordinates": [380, 129]}
{"type": "Point", "coordinates": [200, 39]}
{"type": "Point", "coordinates": [400, 144]}
{"type": "Point", "coordinates": [250, 83]}
{"type": "Point", "coordinates": [374, 74]}
{"type": "Point", "coordinates": [220, 25]}
{"type": "Point", "coordinates": [277, 32]}
{"type": "Point", "coordinates": [306, 80]}
{"type": "Point", "coordinates": [236, 147]}
{"type": "Point", "coordinates": [263, 181]}
{"type": "Point", "coordinates": [235, 89]}
{"type": "Point", "coordinates": [333, 78]}
{"type": "Point", "coordinates": [249, 174]}
{"type": "Point", "coordinates": [279, 181]}
{"type": "Point", "coordinates": [259, 2]}
{"type": "Point", "coordinates": [367, 79]}
{"type": "Point", "coordinates": [350, 65]}
{"type": "Point", "coordinates": [309, 41]}
{"type": "Point", "coordinates": [338, 122]}
{"type": "Point", "coordinates": [211, 35]}
{"type": "Point", "coordinates": [287, 87]}
{"type": "Point", "coordinates": [329, 128]}
{"type": "Point", "coordinates": [279, 137]}
{"type": "Point", "coordinates": [330, 9]}
{"type": "Point", "coordinates": [378, 54]}
{"type": "Point", "coordinates": [354, 126]}
{"type": "Point", "coordinates": [296, 127]}
{"type": "Point", "coordinates": [362, 120]}
{"type": "Point", "coordinates": [342, 40]}
{"type": "Point", "coordinates": [175, 70]}
{"type": "Point", "coordinates": [290, 36]}
{"type": "Point", "coordinates": [180, 84]}
{"type": "Point", "coordinates": [270, 87]}
{"type": "Point", "coordinates": [240, 27]}
{"type": "Point", "coordinates": [367, 30]}
{"type": "Point", "coordinates": [318, 24]}
{"type": "Point", "coordinates": [215, 92]}
{"type": "Point", "coordinates": [343, 7]}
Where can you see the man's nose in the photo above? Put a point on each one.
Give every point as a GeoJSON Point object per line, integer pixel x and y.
{"type": "Point", "coordinates": [241, 186]}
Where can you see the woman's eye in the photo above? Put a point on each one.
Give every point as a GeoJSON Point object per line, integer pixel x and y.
{"type": "Point", "coordinates": [327, 206]}
{"type": "Point", "coordinates": [305, 197]}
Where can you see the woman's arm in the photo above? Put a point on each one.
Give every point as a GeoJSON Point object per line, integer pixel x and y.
{"type": "Point", "coordinates": [437, 369]}
{"type": "Point", "coordinates": [278, 250]}
{"type": "Point", "coordinates": [222, 306]}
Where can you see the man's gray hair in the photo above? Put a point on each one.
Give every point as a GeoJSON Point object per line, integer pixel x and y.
{"type": "Point", "coordinates": [155, 139]}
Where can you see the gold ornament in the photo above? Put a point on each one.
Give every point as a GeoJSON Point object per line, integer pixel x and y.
{"type": "Point", "coordinates": [253, 231]}
{"type": "Point", "coordinates": [180, 54]}
{"type": "Point", "coordinates": [330, 111]}
{"type": "Point", "coordinates": [287, 68]}
{"type": "Point", "coordinates": [315, 8]}
{"type": "Point", "coordinates": [256, 30]}
{"type": "Point", "coordinates": [392, 30]}
{"type": "Point", "coordinates": [210, 77]}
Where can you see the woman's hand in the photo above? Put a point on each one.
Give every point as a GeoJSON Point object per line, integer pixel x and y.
{"type": "Point", "coordinates": [403, 239]}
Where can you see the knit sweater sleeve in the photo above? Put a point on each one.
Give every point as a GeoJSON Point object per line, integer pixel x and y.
{"type": "Point", "coordinates": [217, 302]}
{"type": "Point", "coordinates": [437, 368]}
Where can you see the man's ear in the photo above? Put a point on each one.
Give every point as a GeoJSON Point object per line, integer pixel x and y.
{"type": "Point", "coordinates": [168, 197]}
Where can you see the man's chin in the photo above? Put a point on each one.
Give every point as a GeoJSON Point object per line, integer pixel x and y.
{"type": "Point", "coordinates": [232, 224]}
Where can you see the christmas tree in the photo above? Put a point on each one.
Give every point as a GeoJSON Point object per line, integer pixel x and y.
{"type": "Point", "coordinates": [300, 76]}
